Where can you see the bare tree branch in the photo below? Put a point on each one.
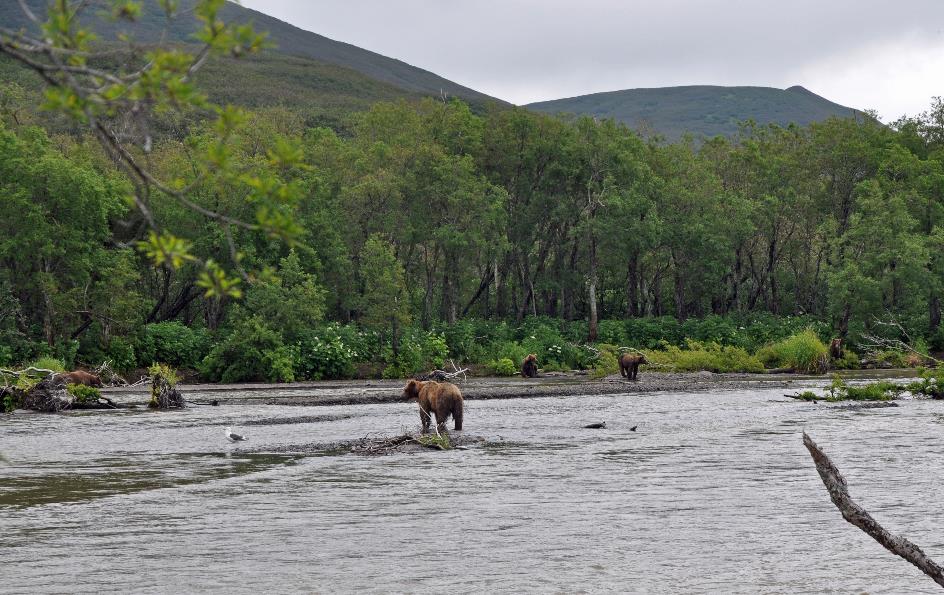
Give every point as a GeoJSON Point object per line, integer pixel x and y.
{"type": "Point", "coordinates": [839, 493]}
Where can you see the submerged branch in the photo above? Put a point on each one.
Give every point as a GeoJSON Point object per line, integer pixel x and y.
{"type": "Point", "coordinates": [839, 493]}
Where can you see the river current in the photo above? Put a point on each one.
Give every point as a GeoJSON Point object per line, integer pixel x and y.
{"type": "Point", "coordinates": [713, 493]}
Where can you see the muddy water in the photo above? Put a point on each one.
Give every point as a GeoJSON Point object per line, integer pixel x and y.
{"type": "Point", "coordinates": [713, 493]}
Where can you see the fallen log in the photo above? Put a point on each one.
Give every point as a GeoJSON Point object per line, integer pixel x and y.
{"type": "Point", "coordinates": [839, 493]}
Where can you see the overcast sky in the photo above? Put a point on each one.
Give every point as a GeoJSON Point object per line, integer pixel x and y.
{"type": "Point", "coordinates": [886, 55]}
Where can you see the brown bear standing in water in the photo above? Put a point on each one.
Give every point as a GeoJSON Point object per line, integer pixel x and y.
{"type": "Point", "coordinates": [629, 364]}
{"type": "Point", "coordinates": [441, 398]}
{"type": "Point", "coordinates": [835, 349]}
{"type": "Point", "coordinates": [80, 377]}
{"type": "Point", "coordinates": [529, 368]}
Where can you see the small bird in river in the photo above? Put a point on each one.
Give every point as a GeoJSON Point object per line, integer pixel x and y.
{"type": "Point", "coordinates": [232, 436]}
{"type": "Point", "coordinates": [633, 429]}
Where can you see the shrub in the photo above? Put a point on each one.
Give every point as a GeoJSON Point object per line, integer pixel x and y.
{"type": "Point", "coordinates": [802, 352]}
{"type": "Point", "coordinates": [710, 357]}
{"type": "Point", "coordinates": [612, 332]}
{"type": "Point", "coordinates": [606, 361]}
{"type": "Point", "coordinates": [508, 350]}
{"type": "Point", "coordinates": [172, 343]}
{"type": "Point", "coordinates": [874, 391]}
{"type": "Point", "coordinates": [419, 351]}
{"type": "Point", "coordinates": [407, 362]}
{"type": "Point", "coordinates": [164, 371]}
{"type": "Point", "coordinates": [327, 357]}
{"type": "Point", "coordinates": [838, 390]}
{"type": "Point", "coordinates": [434, 349]}
{"type": "Point", "coordinates": [84, 394]}
{"type": "Point", "coordinates": [848, 361]}
{"type": "Point", "coordinates": [895, 359]}
{"type": "Point", "coordinates": [121, 355]}
{"type": "Point", "coordinates": [48, 363]}
{"type": "Point", "coordinates": [164, 394]}
{"type": "Point", "coordinates": [251, 351]}
{"type": "Point", "coordinates": [278, 364]}
{"type": "Point", "coordinates": [503, 367]}
{"type": "Point", "coordinates": [931, 384]}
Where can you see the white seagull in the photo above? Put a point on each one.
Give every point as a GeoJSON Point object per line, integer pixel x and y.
{"type": "Point", "coordinates": [232, 436]}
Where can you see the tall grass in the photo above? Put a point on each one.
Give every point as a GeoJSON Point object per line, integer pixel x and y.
{"type": "Point", "coordinates": [49, 363]}
{"type": "Point", "coordinates": [699, 356]}
{"type": "Point", "coordinates": [802, 352]}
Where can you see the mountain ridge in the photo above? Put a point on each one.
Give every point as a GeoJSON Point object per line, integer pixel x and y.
{"type": "Point", "coordinates": [702, 110]}
{"type": "Point", "coordinates": [289, 40]}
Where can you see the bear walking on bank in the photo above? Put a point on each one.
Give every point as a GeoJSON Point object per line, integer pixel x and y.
{"type": "Point", "coordinates": [80, 377]}
{"type": "Point", "coordinates": [529, 367]}
{"type": "Point", "coordinates": [441, 398]}
{"type": "Point", "coordinates": [629, 364]}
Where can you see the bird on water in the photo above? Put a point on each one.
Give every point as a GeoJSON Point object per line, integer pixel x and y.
{"type": "Point", "coordinates": [233, 436]}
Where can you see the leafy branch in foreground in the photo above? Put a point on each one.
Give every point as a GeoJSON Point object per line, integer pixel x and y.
{"type": "Point", "coordinates": [116, 94]}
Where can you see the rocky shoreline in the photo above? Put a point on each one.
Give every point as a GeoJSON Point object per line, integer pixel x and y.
{"type": "Point", "coordinates": [357, 392]}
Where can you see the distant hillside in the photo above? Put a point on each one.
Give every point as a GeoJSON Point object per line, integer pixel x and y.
{"type": "Point", "coordinates": [289, 40]}
{"type": "Point", "coordinates": [702, 110]}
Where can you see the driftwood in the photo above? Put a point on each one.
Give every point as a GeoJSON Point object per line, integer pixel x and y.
{"type": "Point", "coordinates": [839, 493]}
{"type": "Point", "coordinates": [385, 445]}
{"type": "Point", "coordinates": [164, 395]}
{"type": "Point", "coordinates": [876, 343]}
{"type": "Point", "coordinates": [442, 375]}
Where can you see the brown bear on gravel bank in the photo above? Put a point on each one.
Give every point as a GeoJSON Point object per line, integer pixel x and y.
{"type": "Point", "coordinates": [80, 377]}
{"type": "Point", "coordinates": [529, 368]}
{"type": "Point", "coordinates": [629, 364]}
{"type": "Point", "coordinates": [441, 398]}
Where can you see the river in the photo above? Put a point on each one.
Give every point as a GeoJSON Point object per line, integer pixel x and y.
{"type": "Point", "coordinates": [714, 493]}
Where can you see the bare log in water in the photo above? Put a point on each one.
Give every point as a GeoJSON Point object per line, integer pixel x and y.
{"type": "Point", "coordinates": [839, 493]}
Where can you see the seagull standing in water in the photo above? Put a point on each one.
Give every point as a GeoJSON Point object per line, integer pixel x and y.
{"type": "Point", "coordinates": [232, 436]}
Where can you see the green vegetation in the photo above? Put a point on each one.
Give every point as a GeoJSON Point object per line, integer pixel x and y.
{"type": "Point", "coordinates": [931, 384]}
{"type": "Point", "coordinates": [164, 394]}
{"type": "Point", "coordinates": [803, 352]}
{"type": "Point", "coordinates": [440, 441]}
{"type": "Point", "coordinates": [84, 394]}
{"type": "Point", "coordinates": [165, 372]}
{"type": "Point", "coordinates": [838, 390]}
{"type": "Point", "coordinates": [503, 367]}
{"type": "Point", "coordinates": [701, 110]}
{"type": "Point", "coordinates": [419, 232]}
{"type": "Point", "coordinates": [48, 363]}
{"type": "Point", "coordinates": [307, 70]}
{"type": "Point", "coordinates": [712, 357]}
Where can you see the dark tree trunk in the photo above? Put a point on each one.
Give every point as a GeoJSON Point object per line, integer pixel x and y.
{"type": "Point", "coordinates": [843, 328]}
{"type": "Point", "coordinates": [632, 286]}
{"type": "Point", "coordinates": [594, 322]}
{"type": "Point", "coordinates": [934, 312]}
{"type": "Point", "coordinates": [214, 313]}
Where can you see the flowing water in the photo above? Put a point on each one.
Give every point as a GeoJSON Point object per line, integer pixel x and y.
{"type": "Point", "coordinates": [713, 493]}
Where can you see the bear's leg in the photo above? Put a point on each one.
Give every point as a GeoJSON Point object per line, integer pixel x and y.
{"type": "Point", "coordinates": [442, 414]}
{"type": "Point", "coordinates": [633, 370]}
{"type": "Point", "coordinates": [424, 417]}
{"type": "Point", "coordinates": [457, 415]}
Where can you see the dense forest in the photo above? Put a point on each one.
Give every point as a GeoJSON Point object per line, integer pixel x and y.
{"type": "Point", "coordinates": [422, 230]}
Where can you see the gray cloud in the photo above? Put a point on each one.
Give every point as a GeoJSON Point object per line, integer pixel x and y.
{"type": "Point", "coordinates": [863, 53]}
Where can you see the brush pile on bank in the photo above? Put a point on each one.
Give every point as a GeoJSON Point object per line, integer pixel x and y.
{"type": "Point", "coordinates": [47, 391]}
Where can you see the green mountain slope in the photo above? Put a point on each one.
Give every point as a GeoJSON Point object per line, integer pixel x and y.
{"type": "Point", "coordinates": [290, 40]}
{"type": "Point", "coordinates": [702, 110]}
